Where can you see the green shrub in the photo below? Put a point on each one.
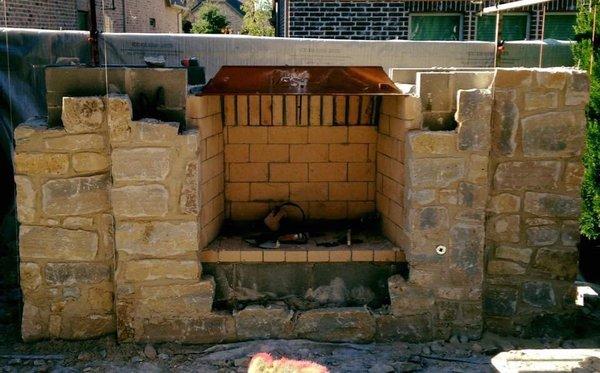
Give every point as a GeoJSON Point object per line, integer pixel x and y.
{"type": "Point", "coordinates": [583, 50]}
{"type": "Point", "coordinates": [257, 18]}
{"type": "Point", "coordinates": [210, 20]}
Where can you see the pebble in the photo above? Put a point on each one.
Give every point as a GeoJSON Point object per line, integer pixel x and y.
{"type": "Point", "coordinates": [426, 350]}
{"type": "Point", "coordinates": [438, 347]}
{"type": "Point", "coordinates": [136, 359]}
{"type": "Point", "coordinates": [476, 348]}
{"type": "Point", "coordinates": [84, 356]}
{"type": "Point", "coordinates": [150, 352]}
{"type": "Point", "coordinates": [454, 339]}
{"type": "Point", "coordinates": [463, 338]}
{"type": "Point", "coordinates": [381, 368]}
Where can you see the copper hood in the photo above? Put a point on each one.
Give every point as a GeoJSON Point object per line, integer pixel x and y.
{"type": "Point", "coordinates": [301, 80]}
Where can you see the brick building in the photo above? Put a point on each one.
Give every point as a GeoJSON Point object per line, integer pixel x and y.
{"type": "Point", "coordinates": [420, 20]}
{"type": "Point", "coordinates": [147, 16]}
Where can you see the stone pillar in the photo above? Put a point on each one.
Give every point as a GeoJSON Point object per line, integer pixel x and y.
{"type": "Point", "coordinates": [66, 243]}
{"type": "Point", "coordinates": [155, 198]}
{"type": "Point", "coordinates": [446, 194]}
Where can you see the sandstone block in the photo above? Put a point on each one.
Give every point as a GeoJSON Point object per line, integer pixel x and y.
{"type": "Point", "coordinates": [88, 326]}
{"type": "Point", "coordinates": [515, 77]}
{"type": "Point", "coordinates": [569, 234]}
{"type": "Point", "coordinates": [76, 222]}
{"type": "Point", "coordinates": [75, 196]}
{"type": "Point", "coordinates": [517, 254]}
{"type": "Point", "coordinates": [552, 205]}
{"type": "Point", "coordinates": [336, 325]}
{"type": "Point", "coordinates": [578, 89]}
{"type": "Point", "coordinates": [557, 134]}
{"type": "Point", "coordinates": [541, 100]}
{"type": "Point", "coordinates": [429, 218]}
{"type": "Point", "coordinates": [504, 228]}
{"type": "Point", "coordinates": [436, 172]}
{"type": "Point", "coordinates": [413, 328]}
{"type": "Point", "coordinates": [34, 321]}
{"type": "Point", "coordinates": [57, 243]}
{"type": "Point", "coordinates": [119, 115]}
{"type": "Point", "coordinates": [75, 143]}
{"type": "Point", "coordinates": [422, 197]}
{"type": "Point", "coordinates": [155, 131]}
{"type": "Point", "coordinates": [31, 276]}
{"type": "Point", "coordinates": [539, 294]}
{"type": "Point", "coordinates": [505, 202]}
{"type": "Point", "coordinates": [466, 244]}
{"type": "Point", "coordinates": [140, 201]}
{"type": "Point", "coordinates": [41, 164]}
{"type": "Point", "coordinates": [82, 114]}
{"type": "Point", "coordinates": [500, 302]}
{"type": "Point", "coordinates": [551, 79]}
{"type": "Point", "coordinates": [258, 322]}
{"type": "Point", "coordinates": [68, 274]}
{"type": "Point", "coordinates": [542, 236]}
{"type": "Point", "coordinates": [527, 175]}
{"type": "Point", "coordinates": [473, 115]}
{"type": "Point", "coordinates": [505, 121]}
{"type": "Point", "coordinates": [478, 169]}
{"type": "Point", "coordinates": [176, 300]}
{"type": "Point", "coordinates": [189, 199]}
{"type": "Point", "coordinates": [159, 269]}
{"type": "Point", "coordinates": [89, 162]}
{"type": "Point", "coordinates": [428, 143]}
{"type": "Point", "coordinates": [407, 298]}
{"type": "Point", "coordinates": [157, 239]}
{"type": "Point", "coordinates": [472, 196]}
{"type": "Point", "coordinates": [210, 328]}
{"type": "Point", "coordinates": [504, 267]}
{"type": "Point", "coordinates": [573, 175]}
{"type": "Point", "coordinates": [560, 263]}
{"type": "Point", "coordinates": [140, 164]}
{"type": "Point", "coordinates": [26, 197]}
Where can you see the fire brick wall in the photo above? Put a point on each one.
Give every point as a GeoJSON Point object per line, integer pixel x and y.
{"type": "Point", "coordinates": [114, 213]}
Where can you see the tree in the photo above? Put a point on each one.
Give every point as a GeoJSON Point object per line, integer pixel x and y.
{"type": "Point", "coordinates": [257, 18]}
{"type": "Point", "coordinates": [584, 53]}
{"type": "Point", "coordinates": [210, 20]}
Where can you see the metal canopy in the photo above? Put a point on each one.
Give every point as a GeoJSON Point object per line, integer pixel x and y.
{"type": "Point", "coordinates": [301, 80]}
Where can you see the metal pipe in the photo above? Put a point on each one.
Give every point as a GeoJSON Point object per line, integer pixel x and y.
{"type": "Point", "coordinates": [93, 39]}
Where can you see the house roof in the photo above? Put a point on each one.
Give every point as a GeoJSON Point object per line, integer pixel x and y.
{"type": "Point", "coordinates": [235, 5]}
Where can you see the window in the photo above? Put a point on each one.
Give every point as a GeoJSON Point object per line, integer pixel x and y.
{"type": "Point", "coordinates": [436, 27]}
{"type": "Point", "coordinates": [82, 20]}
{"type": "Point", "coordinates": [152, 22]}
{"type": "Point", "coordinates": [514, 27]}
{"type": "Point", "coordinates": [560, 26]}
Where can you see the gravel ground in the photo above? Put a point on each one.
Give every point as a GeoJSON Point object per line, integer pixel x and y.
{"type": "Point", "coordinates": [106, 355]}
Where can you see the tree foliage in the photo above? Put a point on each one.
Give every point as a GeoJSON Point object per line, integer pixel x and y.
{"type": "Point", "coordinates": [584, 53]}
{"type": "Point", "coordinates": [210, 20]}
{"type": "Point", "coordinates": [257, 18]}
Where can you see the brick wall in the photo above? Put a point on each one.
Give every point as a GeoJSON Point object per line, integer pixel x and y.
{"type": "Point", "coordinates": [382, 20]}
{"type": "Point", "coordinates": [62, 14]}
{"type": "Point", "coordinates": [288, 148]}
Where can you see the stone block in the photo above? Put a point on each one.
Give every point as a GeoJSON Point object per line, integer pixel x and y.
{"type": "Point", "coordinates": [517, 254]}
{"type": "Point", "coordinates": [210, 328]}
{"type": "Point", "coordinates": [30, 276]}
{"type": "Point", "coordinates": [159, 269]}
{"type": "Point", "coordinates": [504, 267]}
{"type": "Point", "coordinates": [75, 196]}
{"type": "Point", "coordinates": [436, 172]}
{"type": "Point", "coordinates": [527, 175]}
{"type": "Point", "coordinates": [429, 218]}
{"type": "Point", "coordinates": [76, 143]}
{"type": "Point", "coordinates": [68, 274]}
{"type": "Point", "coordinates": [504, 202]}
{"type": "Point", "coordinates": [478, 169]}
{"type": "Point", "coordinates": [569, 233]}
{"type": "Point", "coordinates": [414, 328]}
{"type": "Point", "coordinates": [542, 236]}
{"type": "Point", "coordinates": [26, 197]}
{"type": "Point", "coordinates": [578, 89]}
{"type": "Point", "coordinates": [119, 115]}
{"type": "Point", "coordinates": [140, 201]}
{"type": "Point", "coordinates": [541, 100]}
{"type": "Point", "coordinates": [155, 131]}
{"type": "Point", "coordinates": [82, 114]}
{"type": "Point", "coordinates": [466, 248]}
{"type": "Point", "coordinates": [539, 294]}
{"type": "Point", "coordinates": [552, 205]}
{"type": "Point", "coordinates": [504, 228]}
{"type": "Point", "coordinates": [472, 196]}
{"type": "Point", "coordinates": [157, 239]}
{"type": "Point", "coordinates": [514, 78]}
{"type": "Point", "coordinates": [551, 79]}
{"type": "Point", "coordinates": [140, 164]}
{"type": "Point", "coordinates": [505, 122]}
{"type": "Point", "coordinates": [57, 243]}
{"type": "Point", "coordinates": [500, 302]}
{"type": "Point", "coordinates": [473, 115]}
{"type": "Point", "coordinates": [554, 134]}
{"type": "Point", "coordinates": [408, 298]}
{"type": "Point", "coordinates": [89, 162]}
{"type": "Point", "coordinates": [77, 222]}
{"type": "Point", "coordinates": [88, 326]}
{"type": "Point", "coordinates": [189, 198]}
{"type": "Point", "coordinates": [560, 263]}
{"type": "Point", "coordinates": [175, 300]}
{"type": "Point", "coordinates": [258, 322]}
{"type": "Point", "coordinates": [34, 323]}
{"type": "Point", "coordinates": [428, 143]}
{"type": "Point", "coordinates": [41, 164]}
{"type": "Point", "coordinates": [573, 176]}
{"type": "Point", "coordinates": [422, 197]}
{"type": "Point", "coordinates": [336, 325]}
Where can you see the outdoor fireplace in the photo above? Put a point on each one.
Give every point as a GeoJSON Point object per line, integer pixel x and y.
{"type": "Point", "coordinates": [133, 224]}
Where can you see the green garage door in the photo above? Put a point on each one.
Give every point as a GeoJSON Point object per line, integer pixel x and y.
{"type": "Point", "coordinates": [440, 27]}
{"type": "Point", "coordinates": [514, 27]}
{"type": "Point", "coordinates": [560, 26]}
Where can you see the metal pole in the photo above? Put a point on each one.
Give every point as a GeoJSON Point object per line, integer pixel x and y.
{"type": "Point", "coordinates": [496, 39]}
{"type": "Point", "coordinates": [542, 37]}
{"type": "Point", "coordinates": [93, 39]}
